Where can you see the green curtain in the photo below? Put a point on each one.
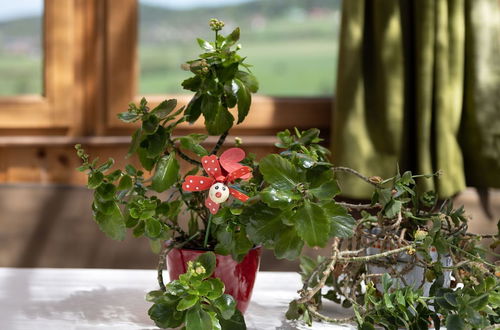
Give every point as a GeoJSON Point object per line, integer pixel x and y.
{"type": "Point", "coordinates": [418, 87]}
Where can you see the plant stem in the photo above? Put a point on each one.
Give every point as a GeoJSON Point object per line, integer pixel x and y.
{"type": "Point", "coordinates": [325, 318]}
{"type": "Point", "coordinates": [356, 173]}
{"type": "Point", "coordinates": [359, 206]}
{"type": "Point", "coordinates": [219, 143]}
{"type": "Point", "coordinates": [163, 255]}
{"type": "Point", "coordinates": [207, 232]}
{"type": "Point", "coordinates": [186, 157]}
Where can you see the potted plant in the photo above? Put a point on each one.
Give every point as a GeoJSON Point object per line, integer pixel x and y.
{"type": "Point", "coordinates": [226, 203]}
{"type": "Point", "coordinates": [225, 206]}
{"type": "Point", "coordinates": [410, 264]}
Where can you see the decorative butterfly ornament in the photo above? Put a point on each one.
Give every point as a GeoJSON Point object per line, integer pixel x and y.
{"type": "Point", "coordinates": [219, 178]}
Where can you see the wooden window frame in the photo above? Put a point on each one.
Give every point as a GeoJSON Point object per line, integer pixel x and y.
{"type": "Point", "coordinates": [268, 114]}
{"type": "Point", "coordinates": [53, 108]}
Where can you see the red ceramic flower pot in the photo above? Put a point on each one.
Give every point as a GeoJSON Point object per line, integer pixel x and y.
{"type": "Point", "coordinates": [238, 278]}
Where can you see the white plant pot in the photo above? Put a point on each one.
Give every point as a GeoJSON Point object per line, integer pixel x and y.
{"type": "Point", "coordinates": [415, 277]}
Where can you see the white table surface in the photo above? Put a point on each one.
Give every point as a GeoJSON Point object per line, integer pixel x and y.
{"type": "Point", "coordinates": [49, 298]}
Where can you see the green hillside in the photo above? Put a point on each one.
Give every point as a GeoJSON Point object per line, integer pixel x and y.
{"type": "Point", "coordinates": [291, 43]}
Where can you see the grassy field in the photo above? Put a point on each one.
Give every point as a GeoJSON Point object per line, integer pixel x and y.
{"type": "Point", "coordinates": [290, 58]}
{"type": "Point", "coordinates": [293, 53]}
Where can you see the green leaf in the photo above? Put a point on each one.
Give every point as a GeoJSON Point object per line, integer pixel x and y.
{"type": "Point", "coordinates": [288, 244]}
{"type": "Point", "coordinates": [237, 322]}
{"type": "Point", "coordinates": [279, 198]}
{"type": "Point", "coordinates": [128, 117]}
{"type": "Point", "coordinates": [326, 191]}
{"type": "Point", "coordinates": [164, 108]}
{"type": "Point", "coordinates": [454, 321]}
{"type": "Point", "coordinates": [249, 80]}
{"type": "Point", "coordinates": [187, 302]}
{"type": "Point", "coordinates": [95, 180]}
{"type": "Point", "coordinates": [192, 84]}
{"type": "Point", "coordinates": [146, 162]}
{"type": "Point", "coordinates": [205, 45]}
{"type": "Point", "coordinates": [136, 140]}
{"type": "Point", "coordinates": [208, 261]}
{"type": "Point", "coordinates": [217, 288]}
{"type": "Point", "coordinates": [165, 315]}
{"type": "Point", "coordinates": [263, 223]}
{"type": "Point", "coordinates": [244, 100]}
{"type": "Point", "coordinates": [167, 172]}
{"type": "Point", "coordinates": [112, 224]}
{"type": "Point", "coordinates": [233, 37]}
{"type": "Point", "coordinates": [341, 222]}
{"type": "Point", "coordinates": [190, 143]}
{"type": "Point", "coordinates": [193, 109]}
{"type": "Point", "coordinates": [221, 122]}
{"type": "Point", "coordinates": [155, 143]}
{"type": "Point", "coordinates": [150, 124]}
{"type": "Point", "coordinates": [105, 192]}
{"type": "Point", "coordinates": [392, 208]}
{"type": "Point", "coordinates": [451, 298]}
{"type": "Point", "coordinates": [279, 172]}
{"type": "Point", "coordinates": [153, 228]}
{"type": "Point", "coordinates": [226, 305]}
{"type": "Point", "coordinates": [215, 321]}
{"type": "Point", "coordinates": [125, 183]}
{"type": "Point", "coordinates": [198, 319]}
{"type": "Point", "coordinates": [312, 225]}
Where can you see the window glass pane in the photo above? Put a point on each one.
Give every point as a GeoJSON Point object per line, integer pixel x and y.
{"type": "Point", "coordinates": [291, 43]}
{"type": "Point", "coordinates": [21, 57]}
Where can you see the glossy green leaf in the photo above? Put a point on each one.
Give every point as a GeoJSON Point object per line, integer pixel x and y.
{"type": "Point", "coordinates": [187, 302]}
{"type": "Point", "coordinates": [208, 261]}
{"type": "Point", "coordinates": [233, 37]}
{"type": "Point", "coordinates": [279, 198]}
{"type": "Point", "coordinates": [113, 224]}
{"type": "Point", "coordinates": [193, 109]}
{"type": "Point", "coordinates": [326, 191]}
{"type": "Point", "coordinates": [222, 122]}
{"type": "Point", "coordinates": [95, 180]}
{"type": "Point", "coordinates": [244, 100]}
{"type": "Point", "coordinates": [198, 319]}
{"type": "Point", "coordinates": [192, 84]}
{"type": "Point", "coordinates": [153, 228]}
{"type": "Point", "coordinates": [164, 108]}
{"type": "Point", "coordinates": [165, 315]}
{"type": "Point", "coordinates": [146, 162]}
{"type": "Point", "coordinates": [455, 322]}
{"type": "Point", "coordinates": [226, 305]}
{"type": "Point", "coordinates": [192, 143]}
{"type": "Point", "coordinates": [312, 225]}
{"type": "Point", "coordinates": [236, 322]}
{"type": "Point", "coordinates": [341, 222]}
{"type": "Point", "coordinates": [205, 45]}
{"type": "Point", "coordinates": [279, 172]}
{"type": "Point", "coordinates": [136, 140]}
{"type": "Point", "coordinates": [217, 288]}
{"type": "Point", "coordinates": [128, 117]}
{"type": "Point", "coordinates": [166, 174]}
{"type": "Point", "coordinates": [249, 80]}
{"type": "Point", "coordinates": [125, 183]}
{"type": "Point", "coordinates": [263, 223]}
{"type": "Point", "coordinates": [155, 143]}
{"type": "Point", "coordinates": [288, 244]}
{"type": "Point", "coordinates": [150, 124]}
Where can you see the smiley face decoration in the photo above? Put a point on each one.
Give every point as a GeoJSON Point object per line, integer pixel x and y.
{"type": "Point", "coordinates": [220, 178]}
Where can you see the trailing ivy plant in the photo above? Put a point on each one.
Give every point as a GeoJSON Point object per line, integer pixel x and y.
{"type": "Point", "coordinates": [404, 231]}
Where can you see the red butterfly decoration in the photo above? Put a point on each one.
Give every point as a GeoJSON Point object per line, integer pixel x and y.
{"type": "Point", "coordinates": [219, 178]}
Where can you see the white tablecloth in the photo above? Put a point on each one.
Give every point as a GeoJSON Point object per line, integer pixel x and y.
{"type": "Point", "coordinates": [49, 298]}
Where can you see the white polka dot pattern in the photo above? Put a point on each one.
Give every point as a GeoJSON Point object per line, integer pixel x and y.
{"type": "Point", "coordinates": [239, 195]}
{"type": "Point", "coordinates": [211, 165]}
{"type": "Point", "coordinates": [238, 173]}
{"type": "Point", "coordinates": [197, 183]}
{"type": "Point", "coordinates": [211, 205]}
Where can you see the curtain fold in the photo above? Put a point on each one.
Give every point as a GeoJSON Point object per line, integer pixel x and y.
{"type": "Point", "coordinates": [411, 90]}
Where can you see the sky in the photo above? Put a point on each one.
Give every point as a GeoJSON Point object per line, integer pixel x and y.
{"type": "Point", "coordinates": [10, 9]}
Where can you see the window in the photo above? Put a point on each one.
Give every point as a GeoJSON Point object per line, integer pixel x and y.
{"type": "Point", "coordinates": [21, 48]}
{"type": "Point", "coordinates": [292, 44]}
{"type": "Point", "coordinates": [37, 64]}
